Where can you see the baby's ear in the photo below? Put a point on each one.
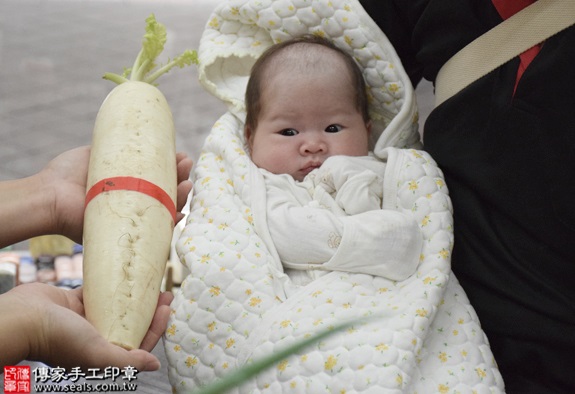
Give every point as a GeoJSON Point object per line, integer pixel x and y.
{"type": "Point", "coordinates": [368, 127]}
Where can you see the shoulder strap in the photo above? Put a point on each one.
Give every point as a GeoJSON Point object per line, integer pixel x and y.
{"type": "Point", "coordinates": [505, 41]}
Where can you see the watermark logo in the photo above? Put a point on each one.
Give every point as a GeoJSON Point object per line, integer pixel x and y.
{"type": "Point", "coordinates": [17, 379]}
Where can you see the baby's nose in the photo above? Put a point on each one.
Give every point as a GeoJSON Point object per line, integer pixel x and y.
{"type": "Point", "coordinates": [314, 145]}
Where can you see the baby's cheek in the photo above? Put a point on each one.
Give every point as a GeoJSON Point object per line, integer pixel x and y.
{"type": "Point", "coordinates": [266, 159]}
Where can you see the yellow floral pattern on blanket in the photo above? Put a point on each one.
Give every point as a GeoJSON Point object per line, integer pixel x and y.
{"type": "Point", "coordinates": [237, 305]}
{"type": "Point", "coordinates": [230, 309]}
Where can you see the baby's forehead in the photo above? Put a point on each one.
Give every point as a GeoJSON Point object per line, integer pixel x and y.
{"type": "Point", "coordinates": [307, 55]}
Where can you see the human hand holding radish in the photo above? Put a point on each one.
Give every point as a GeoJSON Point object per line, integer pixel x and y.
{"type": "Point", "coordinates": [56, 196]}
{"type": "Point", "coordinates": [63, 183]}
{"type": "Point", "coordinates": [45, 323]}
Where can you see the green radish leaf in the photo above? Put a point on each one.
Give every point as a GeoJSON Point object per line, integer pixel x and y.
{"type": "Point", "coordinates": [145, 63]}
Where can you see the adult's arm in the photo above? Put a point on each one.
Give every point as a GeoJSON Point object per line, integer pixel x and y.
{"type": "Point", "coordinates": [52, 201]}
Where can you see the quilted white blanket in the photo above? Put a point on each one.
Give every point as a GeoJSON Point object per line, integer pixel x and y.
{"type": "Point", "coordinates": [238, 304]}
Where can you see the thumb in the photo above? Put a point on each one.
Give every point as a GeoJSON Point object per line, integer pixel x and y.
{"type": "Point", "coordinates": [105, 354]}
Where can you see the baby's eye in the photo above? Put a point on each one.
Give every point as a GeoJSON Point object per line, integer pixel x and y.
{"type": "Point", "coordinates": [333, 128]}
{"type": "Point", "coordinates": [289, 132]}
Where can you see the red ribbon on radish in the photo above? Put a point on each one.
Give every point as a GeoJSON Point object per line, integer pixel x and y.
{"type": "Point", "coordinates": [133, 184]}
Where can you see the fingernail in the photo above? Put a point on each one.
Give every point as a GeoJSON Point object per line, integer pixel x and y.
{"type": "Point", "coordinates": [153, 365]}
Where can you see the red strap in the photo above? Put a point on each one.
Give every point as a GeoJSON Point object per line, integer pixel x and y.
{"type": "Point", "coordinates": [133, 184]}
{"type": "Point", "coordinates": [508, 8]}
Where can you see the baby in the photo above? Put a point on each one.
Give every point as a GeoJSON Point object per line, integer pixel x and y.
{"type": "Point", "coordinates": [307, 129]}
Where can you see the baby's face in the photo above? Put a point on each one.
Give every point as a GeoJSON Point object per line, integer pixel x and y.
{"type": "Point", "coordinates": [303, 121]}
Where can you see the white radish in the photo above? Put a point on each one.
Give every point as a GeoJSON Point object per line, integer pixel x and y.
{"type": "Point", "coordinates": [131, 198]}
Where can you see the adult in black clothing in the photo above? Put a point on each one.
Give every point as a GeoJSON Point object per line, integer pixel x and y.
{"type": "Point", "coordinates": [506, 145]}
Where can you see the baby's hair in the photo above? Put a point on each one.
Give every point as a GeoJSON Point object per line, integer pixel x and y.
{"type": "Point", "coordinates": [257, 76]}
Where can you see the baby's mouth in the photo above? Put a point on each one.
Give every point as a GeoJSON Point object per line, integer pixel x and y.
{"type": "Point", "coordinates": [310, 167]}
